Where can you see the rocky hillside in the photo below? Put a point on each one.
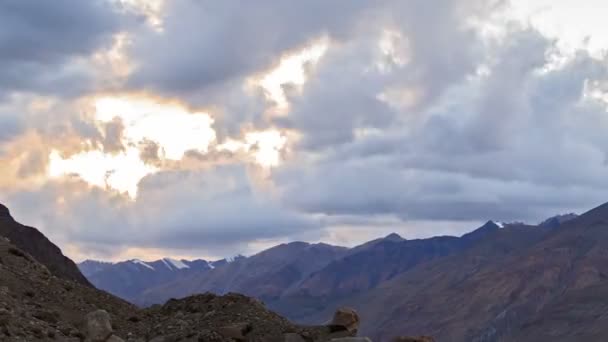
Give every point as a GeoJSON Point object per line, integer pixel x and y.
{"type": "Point", "coordinates": [37, 305]}
{"type": "Point", "coordinates": [36, 244]}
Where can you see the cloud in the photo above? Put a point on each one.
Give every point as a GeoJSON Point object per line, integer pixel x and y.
{"type": "Point", "coordinates": [217, 211]}
{"type": "Point", "coordinates": [43, 44]}
{"type": "Point", "coordinates": [417, 111]}
{"type": "Point", "coordinates": [518, 142]}
{"type": "Point", "coordinates": [10, 126]}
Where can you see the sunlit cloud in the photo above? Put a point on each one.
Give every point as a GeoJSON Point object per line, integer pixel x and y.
{"type": "Point", "coordinates": [291, 70]}
{"type": "Point", "coordinates": [114, 59]}
{"type": "Point", "coordinates": [562, 19]}
{"type": "Point", "coordinates": [268, 146]}
{"type": "Point", "coordinates": [173, 127]}
{"type": "Point", "coordinates": [151, 9]}
{"type": "Point", "coordinates": [121, 172]}
{"type": "Point", "coordinates": [265, 146]}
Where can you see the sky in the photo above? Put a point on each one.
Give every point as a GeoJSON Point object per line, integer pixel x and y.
{"type": "Point", "coordinates": [183, 128]}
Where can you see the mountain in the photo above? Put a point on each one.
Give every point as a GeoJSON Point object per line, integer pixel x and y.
{"type": "Point", "coordinates": [128, 279]}
{"type": "Point", "coordinates": [520, 283]}
{"type": "Point", "coordinates": [501, 282]}
{"type": "Point", "coordinates": [372, 263]}
{"type": "Point", "coordinates": [556, 221]}
{"type": "Point", "coordinates": [266, 275]}
{"type": "Point", "coordinates": [36, 305]}
{"type": "Point", "coordinates": [36, 244]}
{"type": "Point", "coordinates": [90, 267]}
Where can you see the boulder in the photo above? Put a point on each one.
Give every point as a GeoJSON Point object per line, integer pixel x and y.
{"type": "Point", "coordinates": [414, 339]}
{"type": "Point", "coordinates": [99, 328]}
{"type": "Point", "coordinates": [293, 337]}
{"type": "Point", "coordinates": [346, 318]}
{"type": "Point", "coordinates": [236, 332]}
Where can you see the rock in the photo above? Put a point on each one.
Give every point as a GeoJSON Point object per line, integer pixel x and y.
{"type": "Point", "coordinates": [115, 338]}
{"type": "Point", "coordinates": [293, 337]}
{"type": "Point", "coordinates": [346, 318]}
{"type": "Point", "coordinates": [48, 316]}
{"type": "Point", "coordinates": [351, 339]}
{"type": "Point", "coordinates": [236, 331]}
{"type": "Point", "coordinates": [414, 339]}
{"type": "Point", "coordinates": [99, 327]}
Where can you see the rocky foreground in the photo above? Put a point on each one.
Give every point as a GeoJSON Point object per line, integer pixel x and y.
{"type": "Point", "coordinates": [37, 305]}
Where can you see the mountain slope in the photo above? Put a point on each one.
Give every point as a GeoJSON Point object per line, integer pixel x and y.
{"type": "Point", "coordinates": [366, 267]}
{"type": "Point", "coordinates": [550, 285]}
{"type": "Point", "coordinates": [266, 275]}
{"type": "Point", "coordinates": [35, 305]}
{"type": "Point", "coordinates": [36, 244]}
{"type": "Point", "coordinates": [128, 279]}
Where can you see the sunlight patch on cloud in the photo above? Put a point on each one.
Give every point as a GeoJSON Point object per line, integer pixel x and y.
{"type": "Point", "coordinates": [151, 9]}
{"type": "Point", "coordinates": [265, 146]}
{"type": "Point", "coordinates": [175, 128]}
{"type": "Point", "coordinates": [575, 25]}
{"type": "Point", "coordinates": [121, 172]}
{"type": "Point", "coordinates": [395, 50]}
{"type": "Point", "coordinates": [291, 70]}
{"type": "Point", "coordinates": [114, 59]}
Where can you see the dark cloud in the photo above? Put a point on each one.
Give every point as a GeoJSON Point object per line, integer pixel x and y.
{"type": "Point", "coordinates": [149, 152]}
{"type": "Point", "coordinates": [205, 43]}
{"type": "Point", "coordinates": [10, 126]}
{"type": "Point", "coordinates": [40, 42]}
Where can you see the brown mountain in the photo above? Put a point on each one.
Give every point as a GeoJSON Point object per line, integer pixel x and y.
{"type": "Point", "coordinates": [266, 275]}
{"type": "Point", "coordinates": [519, 283]}
{"type": "Point", "coordinates": [368, 265]}
{"type": "Point", "coordinates": [36, 244]}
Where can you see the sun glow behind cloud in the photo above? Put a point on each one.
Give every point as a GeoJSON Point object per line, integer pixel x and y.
{"type": "Point", "coordinates": [576, 25]}
{"type": "Point", "coordinates": [121, 171]}
{"type": "Point", "coordinates": [291, 70]}
{"type": "Point", "coordinates": [172, 126]}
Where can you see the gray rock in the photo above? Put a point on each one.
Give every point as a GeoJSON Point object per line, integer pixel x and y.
{"type": "Point", "coordinates": [351, 339]}
{"type": "Point", "coordinates": [236, 331]}
{"type": "Point", "coordinates": [115, 338]}
{"type": "Point", "coordinates": [99, 327]}
{"type": "Point", "coordinates": [346, 318]}
{"type": "Point", "coordinates": [293, 337]}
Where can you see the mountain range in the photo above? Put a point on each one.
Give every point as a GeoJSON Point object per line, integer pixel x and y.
{"type": "Point", "coordinates": [487, 285]}
{"type": "Point", "coordinates": [45, 298]}
{"type": "Point", "coordinates": [500, 282]}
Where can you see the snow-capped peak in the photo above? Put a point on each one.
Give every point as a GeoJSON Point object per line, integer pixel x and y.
{"type": "Point", "coordinates": [499, 224]}
{"type": "Point", "coordinates": [178, 264]}
{"type": "Point", "coordinates": [233, 258]}
{"type": "Point", "coordinates": [139, 262]}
